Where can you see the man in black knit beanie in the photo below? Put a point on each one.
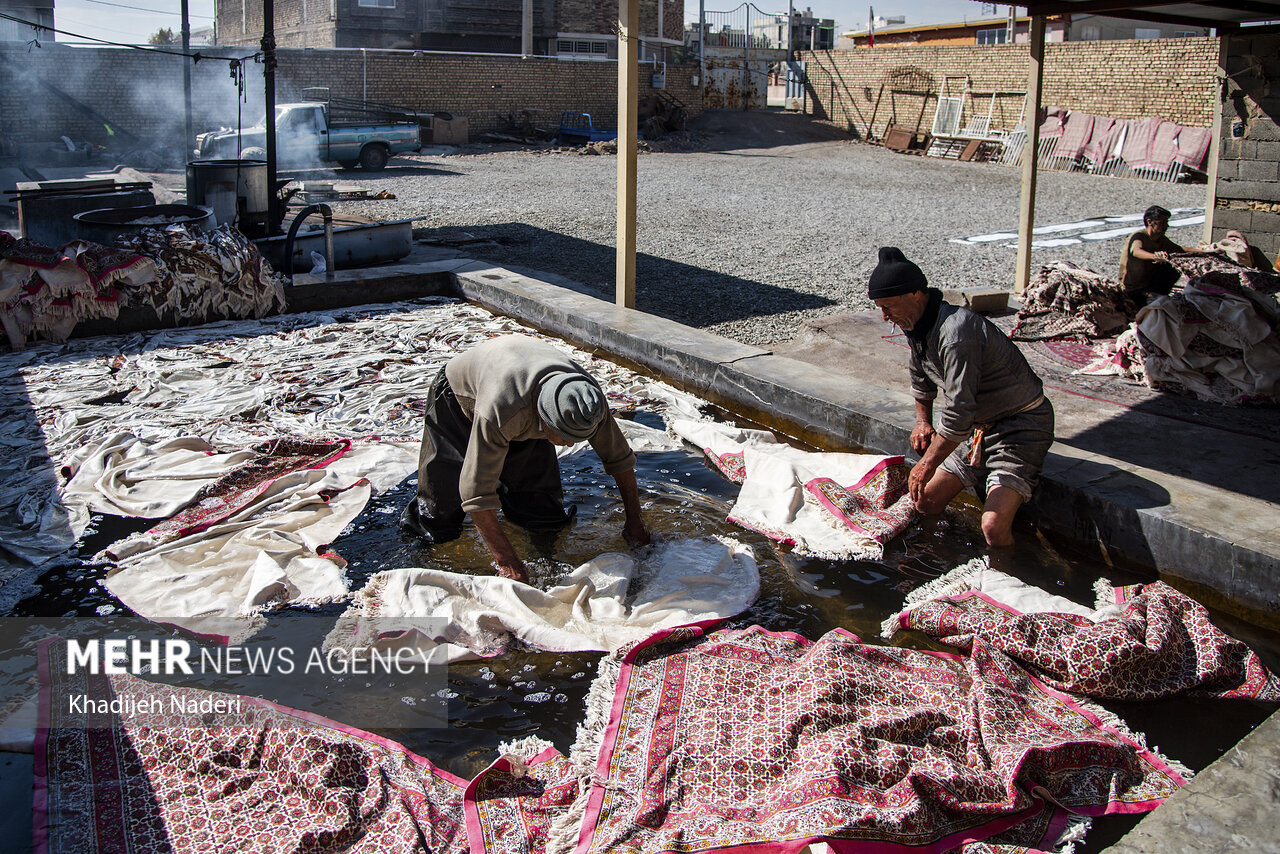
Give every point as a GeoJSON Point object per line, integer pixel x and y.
{"type": "Point", "coordinates": [995, 425]}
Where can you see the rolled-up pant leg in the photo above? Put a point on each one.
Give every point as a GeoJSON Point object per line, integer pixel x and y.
{"type": "Point", "coordinates": [436, 511]}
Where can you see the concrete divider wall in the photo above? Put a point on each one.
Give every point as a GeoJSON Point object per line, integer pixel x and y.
{"type": "Point", "coordinates": [1169, 78]}
{"type": "Point", "coordinates": [59, 90]}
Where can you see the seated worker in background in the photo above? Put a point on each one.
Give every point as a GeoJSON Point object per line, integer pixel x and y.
{"type": "Point", "coordinates": [1145, 271]}
{"type": "Point", "coordinates": [995, 426]}
{"type": "Point", "coordinates": [493, 417]}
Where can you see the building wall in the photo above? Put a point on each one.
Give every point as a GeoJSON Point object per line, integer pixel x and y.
{"type": "Point", "coordinates": [33, 13]}
{"type": "Point", "coordinates": [1248, 187]}
{"type": "Point", "coordinates": [1169, 78]}
{"type": "Point", "coordinates": [468, 25]}
{"type": "Point", "coordinates": [1089, 27]}
{"type": "Point", "coordinates": [59, 90]}
{"type": "Point", "coordinates": [589, 16]}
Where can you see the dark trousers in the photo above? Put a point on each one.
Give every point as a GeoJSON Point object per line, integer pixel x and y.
{"type": "Point", "coordinates": [529, 486]}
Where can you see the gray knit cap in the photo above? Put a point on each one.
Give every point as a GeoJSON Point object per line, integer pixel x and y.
{"type": "Point", "coordinates": [572, 405]}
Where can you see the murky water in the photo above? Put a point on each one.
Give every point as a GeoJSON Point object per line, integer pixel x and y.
{"type": "Point", "coordinates": [526, 693]}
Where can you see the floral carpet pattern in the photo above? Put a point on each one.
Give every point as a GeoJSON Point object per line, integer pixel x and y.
{"type": "Point", "coordinates": [1152, 642]}
{"type": "Point", "coordinates": [750, 738]}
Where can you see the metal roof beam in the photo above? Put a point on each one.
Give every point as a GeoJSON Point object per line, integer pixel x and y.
{"type": "Point", "coordinates": [1133, 10]}
{"type": "Point", "coordinates": [1267, 10]}
{"type": "Point", "coordinates": [1059, 7]}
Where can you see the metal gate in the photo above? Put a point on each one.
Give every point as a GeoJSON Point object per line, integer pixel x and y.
{"type": "Point", "coordinates": [739, 48]}
{"type": "Point", "coordinates": [795, 86]}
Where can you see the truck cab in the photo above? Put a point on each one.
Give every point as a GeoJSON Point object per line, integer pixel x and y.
{"type": "Point", "coordinates": [306, 137]}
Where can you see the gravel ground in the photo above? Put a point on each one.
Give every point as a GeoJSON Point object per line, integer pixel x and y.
{"type": "Point", "coordinates": [770, 219]}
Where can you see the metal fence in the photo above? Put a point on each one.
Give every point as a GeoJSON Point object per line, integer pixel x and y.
{"type": "Point", "coordinates": [747, 26]}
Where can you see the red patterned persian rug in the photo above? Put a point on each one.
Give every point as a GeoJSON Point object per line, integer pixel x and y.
{"type": "Point", "coordinates": [1144, 642]}
{"type": "Point", "coordinates": [838, 506]}
{"type": "Point", "coordinates": [260, 777]}
{"type": "Point", "coordinates": [153, 773]}
{"type": "Point", "coordinates": [512, 805]}
{"type": "Point", "coordinates": [235, 490]}
{"type": "Point", "coordinates": [754, 741]}
{"type": "Point", "coordinates": [877, 506]}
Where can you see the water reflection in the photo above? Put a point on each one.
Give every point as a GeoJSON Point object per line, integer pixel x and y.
{"type": "Point", "coordinates": [525, 693]}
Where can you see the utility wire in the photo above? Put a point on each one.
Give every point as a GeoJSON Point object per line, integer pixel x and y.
{"type": "Point", "coordinates": [67, 19]}
{"type": "Point", "coordinates": [197, 56]}
{"type": "Point", "coordinates": [140, 9]}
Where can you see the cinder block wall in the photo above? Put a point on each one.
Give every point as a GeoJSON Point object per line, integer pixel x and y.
{"type": "Point", "coordinates": [79, 92]}
{"type": "Point", "coordinates": [486, 89]}
{"type": "Point", "coordinates": [1248, 188]}
{"type": "Point", "coordinates": [868, 88]}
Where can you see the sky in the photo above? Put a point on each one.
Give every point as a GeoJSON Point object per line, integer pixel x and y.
{"type": "Point", "coordinates": [127, 21]}
{"type": "Point", "coordinates": [851, 16]}
{"type": "Point", "coordinates": [132, 21]}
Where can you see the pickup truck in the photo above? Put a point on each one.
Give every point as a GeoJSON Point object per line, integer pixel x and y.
{"type": "Point", "coordinates": [306, 137]}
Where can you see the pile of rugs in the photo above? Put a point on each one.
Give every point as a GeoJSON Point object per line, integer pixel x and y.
{"type": "Point", "coordinates": [184, 276]}
{"type": "Point", "coordinates": [694, 740]}
{"type": "Point", "coordinates": [1214, 338]}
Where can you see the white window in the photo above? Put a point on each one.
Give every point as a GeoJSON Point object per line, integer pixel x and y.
{"type": "Point", "coordinates": [1146, 33]}
{"type": "Point", "coordinates": [378, 4]}
{"type": "Point", "coordinates": [996, 35]}
{"type": "Point", "coordinates": [1090, 34]}
{"type": "Point", "coordinates": [582, 48]}
{"type": "Point", "coordinates": [1185, 34]}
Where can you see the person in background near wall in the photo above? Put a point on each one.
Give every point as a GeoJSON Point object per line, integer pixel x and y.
{"type": "Point", "coordinates": [995, 425]}
{"type": "Point", "coordinates": [1145, 271]}
{"type": "Point", "coordinates": [493, 417]}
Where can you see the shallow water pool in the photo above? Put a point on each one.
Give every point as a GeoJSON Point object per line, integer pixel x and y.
{"type": "Point", "coordinates": [526, 693]}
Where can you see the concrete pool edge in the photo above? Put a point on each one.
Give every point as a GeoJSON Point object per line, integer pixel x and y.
{"type": "Point", "coordinates": [1108, 507]}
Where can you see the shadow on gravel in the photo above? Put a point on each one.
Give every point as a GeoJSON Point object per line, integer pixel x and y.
{"type": "Point", "coordinates": [394, 169]}
{"type": "Point", "coordinates": [734, 130]}
{"type": "Point", "coordinates": [692, 295]}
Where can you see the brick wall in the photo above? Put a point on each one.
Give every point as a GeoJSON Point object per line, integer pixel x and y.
{"type": "Point", "coordinates": [1169, 78]}
{"type": "Point", "coordinates": [140, 94]}
{"type": "Point", "coordinates": [1248, 188]}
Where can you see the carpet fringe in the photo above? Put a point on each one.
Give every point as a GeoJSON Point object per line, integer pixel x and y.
{"type": "Point", "coordinates": [562, 835]}
{"type": "Point", "coordinates": [955, 581]}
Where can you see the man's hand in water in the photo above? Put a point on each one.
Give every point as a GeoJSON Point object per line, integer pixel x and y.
{"type": "Point", "coordinates": [516, 571]}
{"type": "Point", "coordinates": [635, 533]}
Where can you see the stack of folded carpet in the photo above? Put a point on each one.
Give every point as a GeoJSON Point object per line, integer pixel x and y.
{"type": "Point", "coordinates": [185, 276]}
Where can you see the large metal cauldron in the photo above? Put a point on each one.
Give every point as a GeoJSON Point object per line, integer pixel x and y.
{"type": "Point", "coordinates": [105, 225]}
{"type": "Point", "coordinates": [235, 189]}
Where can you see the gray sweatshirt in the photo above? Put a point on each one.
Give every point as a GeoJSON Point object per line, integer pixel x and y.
{"type": "Point", "coordinates": [982, 374]}
{"type": "Point", "coordinates": [497, 384]}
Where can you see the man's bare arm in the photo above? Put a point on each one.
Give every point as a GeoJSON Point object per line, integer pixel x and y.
{"type": "Point", "coordinates": [633, 530]}
{"type": "Point", "coordinates": [504, 554]}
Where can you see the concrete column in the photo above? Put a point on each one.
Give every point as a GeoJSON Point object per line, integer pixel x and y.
{"type": "Point", "coordinates": [1215, 144]}
{"type": "Point", "coordinates": [1027, 204]}
{"type": "Point", "coordinates": [628, 125]}
{"type": "Point", "coordinates": [526, 28]}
